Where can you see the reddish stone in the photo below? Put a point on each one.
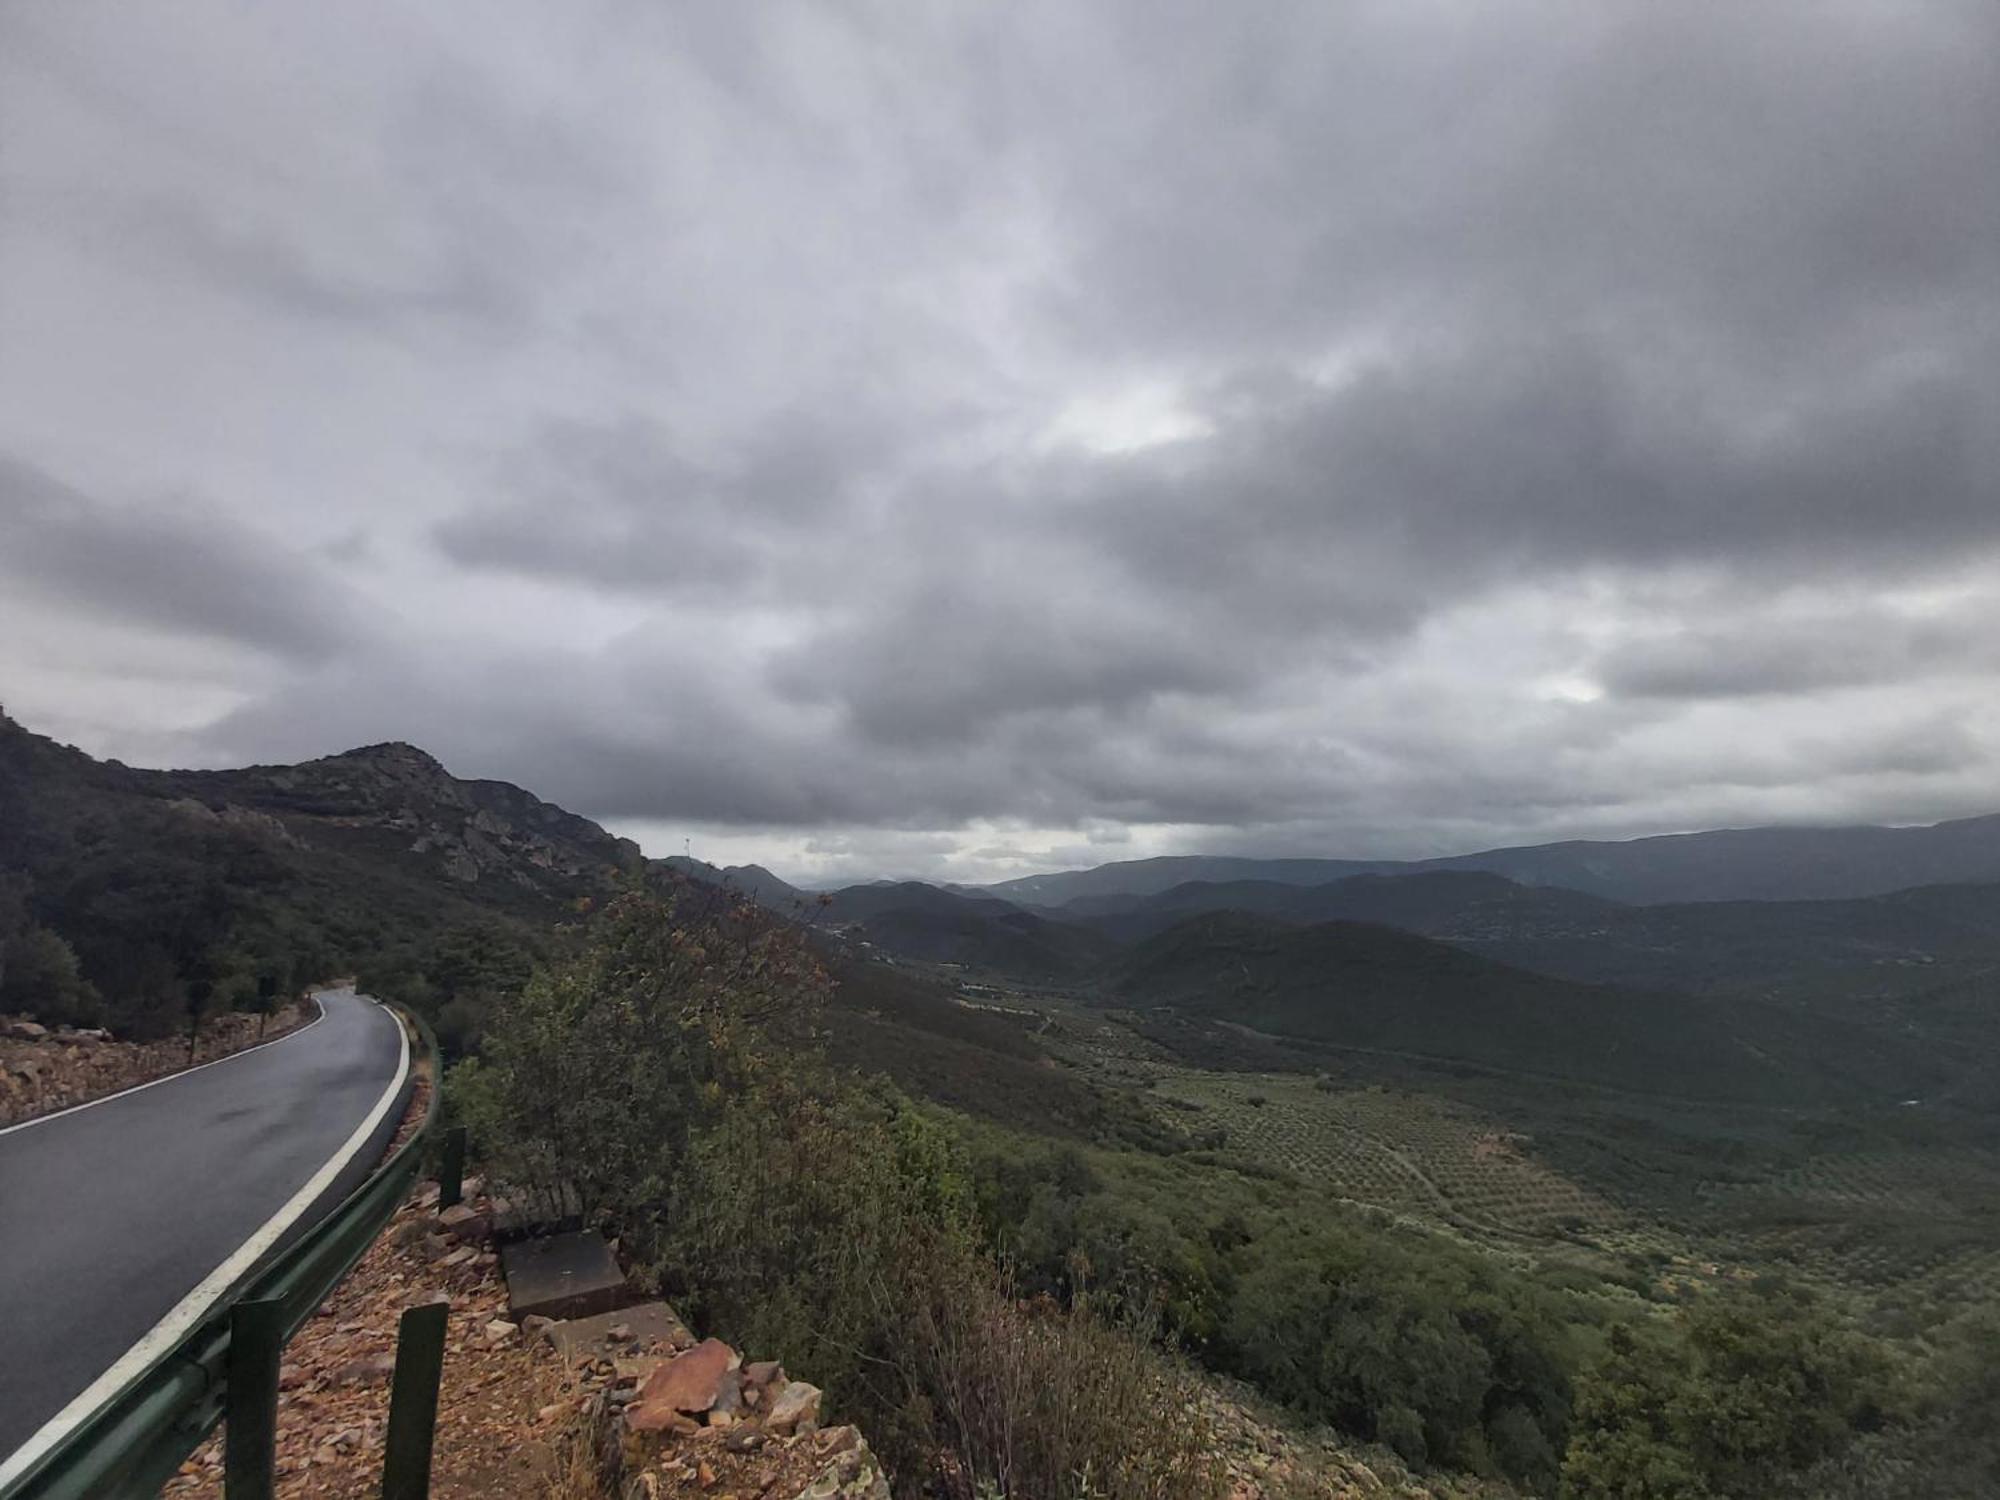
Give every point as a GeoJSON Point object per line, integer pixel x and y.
{"type": "Point", "coordinates": [642, 1418]}
{"type": "Point", "coordinates": [690, 1381]}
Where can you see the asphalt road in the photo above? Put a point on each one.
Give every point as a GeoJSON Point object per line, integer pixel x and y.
{"type": "Point", "coordinates": [114, 1216]}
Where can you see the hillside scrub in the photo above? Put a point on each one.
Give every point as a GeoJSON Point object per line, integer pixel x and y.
{"type": "Point", "coordinates": [666, 1075]}
{"type": "Point", "coordinates": [1756, 1391]}
{"type": "Point", "coordinates": [831, 1223]}
{"type": "Point", "coordinates": [597, 1074]}
{"type": "Point", "coordinates": [989, 1305]}
{"type": "Point", "coordinates": [1386, 1333]}
{"type": "Point", "coordinates": [1394, 1334]}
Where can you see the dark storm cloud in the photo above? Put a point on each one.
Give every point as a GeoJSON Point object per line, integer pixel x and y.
{"type": "Point", "coordinates": [180, 568]}
{"type": "Point", "coordinates": [1663, 294]}
{"type": "Point", "coordinates": [1409, 487]}
{"type": "Point", "coordinates": [346, 254]}
{"type": "Point", "coordinates": [1392, 427]}
{"type": "Point", "coordinates": [1784, 176]}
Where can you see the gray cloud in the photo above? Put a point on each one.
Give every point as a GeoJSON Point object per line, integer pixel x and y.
{"type": "Point", "coordinates": [179, 567]}
{"type": "Point", "coordinates": [1760, 654]}
{"type": "Point", "coordinates": [917, 438]}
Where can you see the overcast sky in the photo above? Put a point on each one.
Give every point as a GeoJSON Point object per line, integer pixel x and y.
{"type": "Point", "coordinates": [889, 438]}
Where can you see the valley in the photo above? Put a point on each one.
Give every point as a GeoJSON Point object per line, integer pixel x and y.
{"type": "Point", "coordinates": [1891, 1209]}
{"type": "Point", "coordinates": [1489, 1131]}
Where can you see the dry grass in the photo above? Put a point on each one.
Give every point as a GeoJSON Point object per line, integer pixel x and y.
{"type": "Point", "coordinates": [1025, 1399]}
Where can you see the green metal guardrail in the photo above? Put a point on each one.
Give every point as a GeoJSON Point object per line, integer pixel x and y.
{"type": "Point", "coordinates": [133, 1443]}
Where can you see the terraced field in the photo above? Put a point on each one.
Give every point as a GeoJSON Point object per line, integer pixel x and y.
{"type": "Point", "coordinates": [1410, 1152]}
{"type": "Point", "coordinates": [1905, 1226]}
{"type": "Point", "coordinates": [1918, 1184]}
{"type": "Point", "coordinates": [1916, 1231]}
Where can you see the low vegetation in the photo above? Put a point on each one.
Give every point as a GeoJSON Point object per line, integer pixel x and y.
{"type": "Point", "coordinates": [1006, 1308]}
{"type": "Point", "coordinates": [666, 1073]}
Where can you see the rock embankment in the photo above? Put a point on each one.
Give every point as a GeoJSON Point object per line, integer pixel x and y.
{"type": "Point", "coordinates": [630, 1405]}
{"type": "Point", "coordinates": [701, 1422]}
{"type": "Point", "coordinates": [47, 1068]}
{"type": "Point", "coordinates": [333, 1397]}
{"type": "Point", "coordinates": [623, 1404]}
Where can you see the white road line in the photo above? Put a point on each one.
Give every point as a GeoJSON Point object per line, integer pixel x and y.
{"type": "Point", "coordinates": [213, 1062]}
{"type": "Point", "coordinates": [195, 1305]}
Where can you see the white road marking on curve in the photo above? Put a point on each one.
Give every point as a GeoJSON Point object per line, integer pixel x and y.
{"type": "Point", "coordinates": [195, 1305]}
{"type": "Point", "coordinates": [170, 1077]}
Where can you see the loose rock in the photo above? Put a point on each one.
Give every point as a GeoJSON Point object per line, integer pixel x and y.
{"type": "Point", "coordinates": [796, 1406]}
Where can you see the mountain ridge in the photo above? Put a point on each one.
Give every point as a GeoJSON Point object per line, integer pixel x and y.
{"type": "Point", "coordinates": [1755, 864]}
{"type": "Point", "coordinates": [176, 890]}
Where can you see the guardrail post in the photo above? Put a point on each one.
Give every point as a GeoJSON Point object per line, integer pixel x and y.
{"type": "Point", "coordinates": [250, 1448]}
{"type": "Point", "coordinates": [226, 1367]}
{"type": "Point", "coordinates": [451, 1175]}
{"type": "Point", "coordinates": [413, 1399]}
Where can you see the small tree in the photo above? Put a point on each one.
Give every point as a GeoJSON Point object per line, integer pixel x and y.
{"type": "Point", "coordinates": [196, 994]}
{"type": "Point", "coordinates": [39, 976]}
{"type": "Point", "coordinates": [598, 1071]}
{"type": "Point", "coordinates": [267, 1000]}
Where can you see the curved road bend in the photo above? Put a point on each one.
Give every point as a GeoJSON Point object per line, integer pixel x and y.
{"type": "Point", "coordinates": [122, 1221]}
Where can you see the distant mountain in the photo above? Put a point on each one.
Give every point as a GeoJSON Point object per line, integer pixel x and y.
{"type": "Point", "coordinates": [1460, 905]}
{"type": "Point", "coordinates": [1150, 877]}
{"type": "Point", "coordinates": [916, 921]}
{"type": "Point", "coordinates": [1901, 943]}
{"type": "Point", "coordinates": [861, 903]}
{"type": "Point", "coordinates": [1737, 864]}
{"type": "Point", "coordinates": [1362, 986]}
{"type": "Point", "coordinates": [1804, 951]}
{"type": "Point", "coordinates": [976, 1059]}
{"type": "Point", "coordinates": [756, 882]}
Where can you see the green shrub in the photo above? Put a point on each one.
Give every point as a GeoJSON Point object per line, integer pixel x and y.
{"type": "Point", "coordinates": [39, 977]}
{"type": "Point", "coordinates": [1757, 1389]}
{"type": "Point", "coordinates": [666, 1074]}
{"type": "Point", "coordinates": [597, 1073]}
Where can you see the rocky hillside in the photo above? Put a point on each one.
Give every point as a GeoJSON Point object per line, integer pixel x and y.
{"type": "Point", "coordinates": [132, 896]}
{"type": "Point", "coordinates": [394, 801]}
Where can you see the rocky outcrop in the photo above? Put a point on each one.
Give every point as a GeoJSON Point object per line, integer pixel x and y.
{"type": "Point", "coordinates": [468, 831]}
{"type": "Point", "coordinates": [700, 1421]}
{"type": "Point", "coordinates": [653, 1410]}
{"type": "Point", "coordinates": [243, 819]}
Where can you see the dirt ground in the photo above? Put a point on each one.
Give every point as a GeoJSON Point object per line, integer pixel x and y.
{"type": "Point", "coordinates": [333, 1401]}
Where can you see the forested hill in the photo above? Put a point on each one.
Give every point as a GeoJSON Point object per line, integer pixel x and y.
{"type": "Point", "coordinates": [141, 893]}
{"type": "Point", "coordinates": [1355, 985]}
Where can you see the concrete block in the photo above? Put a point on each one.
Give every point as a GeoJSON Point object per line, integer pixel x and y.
{"type": "Point", "coordinates": [563, 1276]}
